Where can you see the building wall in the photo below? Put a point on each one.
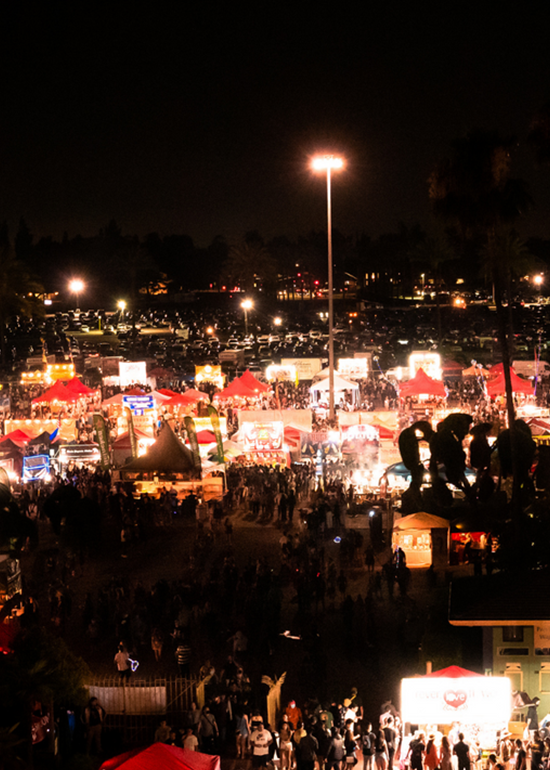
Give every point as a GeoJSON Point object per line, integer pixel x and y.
{"type": "Point", "coordinates": [516, 659]}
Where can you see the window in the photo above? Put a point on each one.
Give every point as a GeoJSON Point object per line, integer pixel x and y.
{"type": "Point", "coordinates": [515, 675]}
{"type": "Point", "coordinates": [544, 677]}
{"type": "Point", "coordinates": [512, 633]}
{"type": "Point", "coordinates": [512, 652]}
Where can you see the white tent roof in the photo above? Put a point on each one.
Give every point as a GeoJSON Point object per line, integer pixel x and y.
{"type": "Point", "coordinates": [421, 521]}
{"type": "Point", "coordinates": [339, 384]}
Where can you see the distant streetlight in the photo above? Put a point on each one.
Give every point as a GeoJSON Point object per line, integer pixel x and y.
{"type": "Point", "coordinates": [210, 330]}
{"type": "Point", "coordinates": [246, 305]}
{"type": "Point", "coordinates": [121, 305]}
{"type": "Point", "coordinates": [77, 287]}
{"type": "Point", "coordinates": [538, 280]}
{"type": "Point", "coordinates": [328, 163]}
{"type": "Point", "coordinates": [277, 321]}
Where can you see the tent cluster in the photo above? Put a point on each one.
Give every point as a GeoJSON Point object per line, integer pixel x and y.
{"type": "Point", "coordinates": [64, 394]}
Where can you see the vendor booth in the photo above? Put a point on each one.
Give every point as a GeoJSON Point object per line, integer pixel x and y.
{"type": "Point", "coordinates": [320, 389]}
{"type": "Point", "coordinates": [459, 700]}
{"type": "Point", "coordinates": [161, 756]}
{"type": "Point", "coordinates": [424, 538]}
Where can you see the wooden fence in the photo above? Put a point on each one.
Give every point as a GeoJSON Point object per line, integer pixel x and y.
{"type": "Point", "coordinates": [134, 709]}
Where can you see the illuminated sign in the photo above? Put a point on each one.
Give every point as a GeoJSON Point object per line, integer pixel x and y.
{"type": "Point", "coordinates": [132, 372]}
{"type": "Point", "coordinates": [262, 437]}
{"type": "Point", "coordinates": [60, 371]}
{"type": "Point", "coordinates": [356, 368]}
{"type": "Point", "coordinates": [443, 700]}
{"type": "Point", "coordinates": [281, 373]}
{"type": "Point", "coordinates": [138, 405]}
{"type": "Point", "coordinates": [307, 368]}
{"type": "Point", "coordinates": [357, 439]}
{"type": "Point", "coordinates": [430, 362]}
{"type": "Point", "coordinates": [209, 373]}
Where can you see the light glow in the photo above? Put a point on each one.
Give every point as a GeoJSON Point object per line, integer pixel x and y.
{"type": "Point", "coordinates": [325, 162]}
{"type": "Point", "coordinates": [247, 304]}
{"type": "Point", "coordinates": [76, 286]}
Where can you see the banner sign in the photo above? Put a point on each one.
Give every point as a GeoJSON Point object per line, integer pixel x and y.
{"type": "Point", "coordinates": [443, 700]}
{"type": "Point", "coordinates": [215, 420]}
{"type": "Point", "coordinates": [323, 443]}
{"type": "Point", "coordinates": [139, 404]}
{"type": "Point", "coordinates": [542, 638]}
{"type": "Point", "coordinates": [131, 431]}
{"type": "Point", "coordinates": [263, 436]}
{"type": "Point", "coordinates": [306, 368]}
{"type": "Point", "coordinates": [361, 439]}
{"type": "Point", "coordinates": [354, 368]}
{"type": "Point", "coordinates": [193, 441]}
{"type": "Point", "coordinates": [430, 362]}
{"type": "Point", "coordinates": [132, 373]}
{"type": "Point", "coordinates": [102, 436]}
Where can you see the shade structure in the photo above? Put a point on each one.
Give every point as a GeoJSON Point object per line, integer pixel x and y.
{"type": "Point", "coordinates": [17, 436]}
{"type": "Point", "coordinates": [421, 521]}
{"type": "Point", "coordinates": [186, 399]}
{"type": "Point", "coordinates": [340, 384]}
{"type": "Point", "coordinates": [75, 386]}
{"type": "Point", "coordinates": [166, 456]}
{"type": "Point", "coordinates": [124, 441]}
{"type": "Point", "coordinates": [237, 389]}
{"type": "Point", "coordinates": [452, 672]}
{"type": "Point", "coordinates": [497, 386]}
{"type": "Point", "coordinates": [539, 426]}
{"type": "Point", "coordinates": [167, 392]}
{"type": "Point", "coordinates": [422, 385]}
{"type": "Point", "coordinates": [57, 393]}
{"type": "Point", "coordinates": [251, 382]}
{"type": "Point", "coordinates": [160, 756]}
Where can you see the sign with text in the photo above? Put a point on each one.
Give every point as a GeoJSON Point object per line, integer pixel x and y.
{"type": "Point", "coordinates": [443, 700]}
{"type": "Point", "coordinates": [132, 373]}
{"type": "Point", "coordinates": [306, 368]}
{"type": "Point", "coordinates": [262, 436]}
{"type": "Point", "coordinates": [138, 405]}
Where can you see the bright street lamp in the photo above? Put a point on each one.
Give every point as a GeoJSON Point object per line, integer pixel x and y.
{"type": "Point", "coordinates": [277, 321]}
{"type": "Point", "coordinates": [328, 163]}
{"type": "Point", "coordinates": [121, 305]}
{"type": "Point", "coordinates": [538, 280]}
{"type": "Point", "coordinates": [77, 287]}
{"type": "Point", "coordinates": [246, 305]}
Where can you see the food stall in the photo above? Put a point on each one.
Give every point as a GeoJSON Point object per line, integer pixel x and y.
{"type": "Point", "coordinates": [424, 538]}
{"type": "Point", "coordinates": [455, 699]}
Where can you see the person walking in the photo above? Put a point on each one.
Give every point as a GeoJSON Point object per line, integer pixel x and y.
{"type": "Point", "coordinates": [260, 741]}
{"type": "Point", "coordinates": [462, 752]}
{"type": "Point", "coordinates": [207, 731]}
{"type": "Point", "coordinates": [94, 717]}
{"type": "Point", "coordinates": [122, 660]}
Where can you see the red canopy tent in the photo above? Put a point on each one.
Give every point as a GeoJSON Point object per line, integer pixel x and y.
{"type": "Point", "coordinates": [422, 385]}
{"type": "Point", "coordinates": [251, 382]}
{"type": "Point", "coordinates": [206, 437]}
{"type": "Point", "coordinates": [58, 392]}
{"type": "Point", "coordinates": [17, 436]}
{"type": "Point", "coordinates": [160, 756]}
{"type": "Point", "coordinates": [497, 386]}
{"type": "Point", "coordinates": [167, 392]}
{"type": "Point", "coordinates": [237, 389]}
{"type": "Point", "coordinates": [75, 386]}
{"type": "Point", "coordinates": [452, 672]}
{"type": "Point", "coordinates": [383, 432]}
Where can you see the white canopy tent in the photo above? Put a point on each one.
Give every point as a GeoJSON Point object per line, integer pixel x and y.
{"type": "Point", "coordinates": [340, 386]}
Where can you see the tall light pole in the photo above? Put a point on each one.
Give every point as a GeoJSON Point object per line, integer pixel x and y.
{"type": "Point", "coordinates": [246, 305]}
{"type": "Point", "coordinates": [76, 286]}
{"type": "Point", "coordinates": [328, 163]}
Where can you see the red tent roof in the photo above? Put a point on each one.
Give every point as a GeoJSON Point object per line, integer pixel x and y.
{"type": "Point", "coordinates": [75, 386]}
{"type": "Point", "coordinates": [422, 385]}
{"type": "Point", "coordinates": [16, 435]}
{"type": "Point", "coordinates": [498, 386]}
{"type": "Point", "coordinates": [453, 672]}
{"type": "Point", "coordinates": [160, 756]}
{"type": "Point", "coordinates": [237, 389]}
{"type": "Point", "coordinates": [206, 437]}
{"type": "Point", "coordinates": [251, 382]}
{"type": "Point", "coordinates": [167, 392]}
{"type": "Point", "coordinates": [383, 432]}
{"type": "Point", "coordinates": [58, 392]}
{"type": "Point", "coordinates": [186, 399]}
{"type": "Point", "coordinates": [134, 392]}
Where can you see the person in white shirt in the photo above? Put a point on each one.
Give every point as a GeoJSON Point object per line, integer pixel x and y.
{"type": "Point", "coordinates": [260, 740]}
{"type": "Point", "coordinates": [190, 742]}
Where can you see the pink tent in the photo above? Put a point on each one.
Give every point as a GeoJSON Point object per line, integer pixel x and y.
{"type": "Point", "coordinates": [160, 756]}
{"type": "Point", "coordinates": [58, 392]}
{"type": "Point", "coordinates": [251, 382]}
{"type": "Point", "coordinates": [497, 386]}
{"type": "Point", "coordinates": [75, 386]}
{"type": "Point", "coordinates": [422, 385]}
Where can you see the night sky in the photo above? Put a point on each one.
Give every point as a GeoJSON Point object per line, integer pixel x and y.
{"type": "Point", "coordinates": [199, 118]}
